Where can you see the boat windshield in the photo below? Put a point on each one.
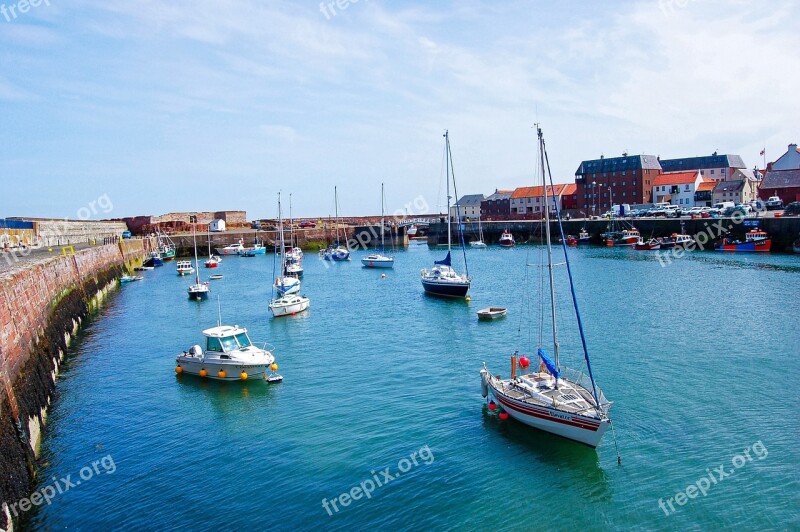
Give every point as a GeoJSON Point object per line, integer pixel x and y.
{"type": "Point", "coordinates": [243, 340]}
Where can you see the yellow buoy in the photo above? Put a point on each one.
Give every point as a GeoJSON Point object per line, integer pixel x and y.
{"type": "Point", "coordinates": [273, 366]}
{"type": "Point", "coordinates": [468, 298]}
{"type": "Point", "coordinates": [222, 374]}
{"type": "Point", "coordinates": [243, 376]}
{"type": "Point", "coordinates": [203, 372]}
{"type": "Point", "coordinates": [178, 369]}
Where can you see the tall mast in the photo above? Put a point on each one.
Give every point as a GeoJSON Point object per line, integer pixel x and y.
{"type": "Point", "coordinates": [447, 180]}
{"type": "Point", "coordinates": [336, 209]}
{"type": "Point", "coordinates": [291, 222]}
{"type": "Point", "coordinates": [196, 264]}
{"type": "Point", "coordinates": [280, 228]}
{"type": "Point", "coordinates": [382, 245]}
{"type": "Point", "coordinates": [549, 251]}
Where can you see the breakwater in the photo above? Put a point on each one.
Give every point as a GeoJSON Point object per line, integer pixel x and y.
{"type": "Point", "coordinates": [42, 305]}
{"type": "Point", "coordinates": [783, 230]}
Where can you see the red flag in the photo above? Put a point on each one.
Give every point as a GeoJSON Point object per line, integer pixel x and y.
{"type": "Point", "coordinates": [763, 151]}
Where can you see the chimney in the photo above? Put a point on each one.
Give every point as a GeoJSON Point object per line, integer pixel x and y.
{"type": "Point", "coordinates": [792, 147]}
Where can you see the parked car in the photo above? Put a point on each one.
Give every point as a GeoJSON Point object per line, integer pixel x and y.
{"type": "Point", "coordinates": [126, 234]}
{"type": "Point", "coordinates": [306, 224]}
{"type": "Point", "coordinates": [694, 211]}
{"type": "Point", "coordinates": [774, 203]}
{"type": "Point", "coordinates": [793, 209]}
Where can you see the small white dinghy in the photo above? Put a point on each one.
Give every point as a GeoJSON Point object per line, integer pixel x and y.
{"type": "Point", "coordinates": [492, 313]}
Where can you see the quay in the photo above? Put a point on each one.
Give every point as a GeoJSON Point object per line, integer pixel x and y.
{"type": "Point", "coordinates": [782, 230]}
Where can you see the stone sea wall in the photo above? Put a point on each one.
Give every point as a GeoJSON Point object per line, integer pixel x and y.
{"type": "Point", "coordinates": [42, 306]}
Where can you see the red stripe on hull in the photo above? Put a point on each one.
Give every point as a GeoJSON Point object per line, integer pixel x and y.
{"type": "Point", "coordinates": [532, 411]}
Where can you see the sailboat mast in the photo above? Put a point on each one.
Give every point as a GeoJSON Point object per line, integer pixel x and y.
{"type": "Point", "coordinates": [336, 210]}
{"type": "Point", "coordinates": [447, 180]}
{"type": "Point", "coordinates": [196, 264]}
{"type": "Point", "coordinates": [280, 228]}
{"type": "Point", "coordinates": [549, 253]}
{"type": "Point", "coordinates": [382, 244]}
{"type": "Point", "coordinates": [291, 223]}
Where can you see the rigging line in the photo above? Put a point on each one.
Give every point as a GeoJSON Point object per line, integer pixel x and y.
{"type": "Point", "coordinates": [569, 274]}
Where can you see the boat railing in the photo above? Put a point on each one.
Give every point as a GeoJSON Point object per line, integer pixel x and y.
{"type": "Point", "coordinates": [582, 379]}
{"type": "Point", "coordinates": [268, 347]}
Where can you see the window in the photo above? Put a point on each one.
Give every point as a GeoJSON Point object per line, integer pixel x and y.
{"type": "Point", "coordinates": [243, 340]}
{"type": "Point", "coordinates": [686, 188]}
{"type": "Point", "coordinates": [212, 344]}
{"type": "Point", "coordinates": [229, 343]}
{"type": "Point", "coordinates": [712, 172]}
{"type": "Point", "coordinates": [613, 184]}
{"type": "Point", "coordinates": [623, 183]}
{"type": "Point", "coordinates": [634, 183]}
{"type": "Point", "coordinates": [623, 194]}
{"type": "Point", "coordinates": [701, 172]}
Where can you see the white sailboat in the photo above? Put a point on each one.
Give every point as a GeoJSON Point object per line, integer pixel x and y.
{"type": "Point", "coordinates": [479, 243]}
{"type": "Point", "coordinates": [198, 291]}
{"type": "Point", "coordinates": [379, 259]}
{"type": "Point", "coordinates": [553, 398]}
{"type": "Point", "coordinates": [288, 302]}
{"type": "Point", "coordinates": [294, 255]}
{"type": "Point", "coordinates": [213, 260]}
{"type": "Point", "coordinates": [442, 279]}
{"type": "Point", "coordinates": [337, 253]}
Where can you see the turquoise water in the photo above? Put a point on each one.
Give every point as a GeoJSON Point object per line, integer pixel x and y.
{"type": "Point", "coordinates": [700, 358]}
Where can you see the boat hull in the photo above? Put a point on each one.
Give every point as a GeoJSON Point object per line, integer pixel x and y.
{"type": "Point", "coordinates": [445, 289]}
{"type": "Point", "coordinates": [232, 371]}
{"type": "Point", "coordinates": [757, 246]}
{"type": "Point", "coordinates": [377, 263]}
{"type": "Point", "coordinates": [290, 309]}
{"type": "Point", "coordinates": [198, 295]}
{"type": "Point", "coordinates": [154, 262]}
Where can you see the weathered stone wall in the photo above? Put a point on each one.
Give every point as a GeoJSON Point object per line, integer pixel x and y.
{"type": "Point", "coordinates": [65, 232]}
{"type": "Point", "coordinates": [42, 306]}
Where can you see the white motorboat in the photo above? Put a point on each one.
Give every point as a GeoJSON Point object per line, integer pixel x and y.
{"type": "Point", "coordinates": [289, 305]}
{"type": "Point", "coordinates": [287, 284]}
{"type": "Point", "coordinates": [442, 279]}
{"type": "Point", "coordinates": [232, 250]}
{"type": "Point", "coordinates": [184, 267]}
{"type": "Point", "coordinates": [229, 355]}
{"type": "Point", "coordinates": [492, 313]}
{"type": "Point", "coordinates": [379, 259]}
{"type": "Point", "coordinates": [554, 399]}
{"type": "Point", "coordinates": [293, 268]}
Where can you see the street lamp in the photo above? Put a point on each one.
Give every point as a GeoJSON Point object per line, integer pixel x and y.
{"type": "Point", "coordinates": [594, 197]}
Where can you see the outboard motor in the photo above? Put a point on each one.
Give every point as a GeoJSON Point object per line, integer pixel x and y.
{"type": "Point", "coordinates": [196, 351]}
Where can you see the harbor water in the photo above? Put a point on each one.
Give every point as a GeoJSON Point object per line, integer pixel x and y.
{"type": "Point", "coordinates": [381, 401]}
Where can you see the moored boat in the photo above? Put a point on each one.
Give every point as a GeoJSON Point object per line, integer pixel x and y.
{"type": "Point", "coordinates": [492, 313]}
{"type": "Point", "coordinates": [552, 398]}
{"type": "Point", "coordinates": [755, 240]}
{"type": "Point", "coordinates": [649, 245]}
{"type": "Point", "coordinates": [506, 239]}
{"type": "Point", "coordinates": [198, 291]}
{"type": "Point", "coordinates": [379, 259]}
{"type": "Point", "coordinates": [130, 278]}
{"type": "Point", "coordinates": [231, 250]}
{"type": "Point", "coordinates": [184, 267]}
{"type": "Point", "coordinates": [153, 260]}
{"type": "Point", "coordinates": [229, 355]}
{"type": "Point", "coordinates": [337, 252]}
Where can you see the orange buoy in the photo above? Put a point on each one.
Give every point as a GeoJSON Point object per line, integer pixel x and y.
{"type": "Point", "coordinates": [273, 366]}
{"type": "Point", "coordinates": [203, 372]}
{"type": "Point", "coordinates": [178, 370]}
{"type": "Point", "coordinates": [243, 375]}
{"type": "Point", "coordinates": [222, 374]}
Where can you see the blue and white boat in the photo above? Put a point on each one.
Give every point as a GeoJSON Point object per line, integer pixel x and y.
{"type": "Point", "coordinates": [337, 252]}
{"type": "Point", "coordinates": [442, 279]}
{"type": "Point", "coordinates": [154, 260]}
{"type": "Point", "coordinates": [379, 259]}
{"type": "Point", "coordinates": [552, 398]}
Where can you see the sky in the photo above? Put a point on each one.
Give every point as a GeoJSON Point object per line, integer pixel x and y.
{"type": "Point", "coordinates": [147, 107]}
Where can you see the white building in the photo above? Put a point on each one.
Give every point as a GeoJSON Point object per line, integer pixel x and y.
{"type": "Point", "coordinates": [216, 226]}
{"type": "Point", "coordinates": [677, 188]}
{"type": "Point", "coordinates": [469, 207]}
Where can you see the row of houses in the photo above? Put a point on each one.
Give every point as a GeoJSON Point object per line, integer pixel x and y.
{"type": "Point", "coordinates": [644, 179]}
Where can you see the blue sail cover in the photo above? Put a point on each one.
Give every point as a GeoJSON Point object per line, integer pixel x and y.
{"type": "Point", "coordinates": [551, 366]}
{"type": "Point", "coordinates": [445, 261]}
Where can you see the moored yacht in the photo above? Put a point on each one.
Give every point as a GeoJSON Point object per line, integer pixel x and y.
{"type": "Point", "coordinates": [506, 239]}
{"type": "Point", "coordinates": [233, 249]}
{"type": "Point", "coordinates": [184, 267]}
{"type": "Point", "coordinates": [379, 259]}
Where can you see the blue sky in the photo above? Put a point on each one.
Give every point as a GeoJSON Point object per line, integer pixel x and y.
{"type": "Point", "coordinates": [207, 105]}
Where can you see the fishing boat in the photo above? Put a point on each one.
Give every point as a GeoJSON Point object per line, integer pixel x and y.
{"type": "Point", "coordinates": [647, 245]}
{"type": "Point", "coordinates": [213, 260]}
{"type": "Point", "coordinates": [552, 398]}
{"type": "Point", "coordinates": [231, 250]}
{"type": "Point", "coordinates": [229, 355]}
{"type": "Point", "coordinates": [184, 267]}
{"type": "Point", "coordinates": [337, 253]}
{"type": "Point", "coordinates": [506, 239]}
{"type": "Point", "coordinates": [166, 247]}
{"type": "Point", "coordinates": [379, 259]}
{"type": "Point", "coordinates": [755, 240]}
{"type": "Point", "coordinates": [492, 313]}
{"type": "Point", "coordinates": [257, 249]}
{"type": "Point", "coordinates": [584, 237]}
{"type": "Point", "coordinates": [153, 260]}
{"type": "Point", "coordinates": [442, 279]}
{"type": "Point", "coordinates": [288, 302]}
{"type": "Point", "coordinates": [622, 238]}
{"type": "Point", "coordinates": [198, 291]}
{"type": "Point", "coordinates": [479, 243]}
{"type": "Point", "coordinates": [130, 278]}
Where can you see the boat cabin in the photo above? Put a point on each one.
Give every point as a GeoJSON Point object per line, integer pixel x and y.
{"type": "Point", "coordinates": [225, 339]}
{"type": "Point", "coordinates": [756, 234]}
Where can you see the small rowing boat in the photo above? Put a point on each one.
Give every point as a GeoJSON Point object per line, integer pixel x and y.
{"type": "Point", "coordinates": [492, 313]}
